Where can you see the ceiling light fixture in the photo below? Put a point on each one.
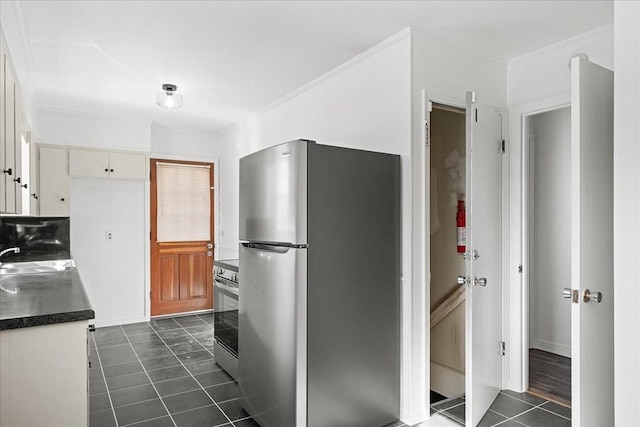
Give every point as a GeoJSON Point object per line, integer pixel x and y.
{"type": "Point", "coordinates": [169, 98]}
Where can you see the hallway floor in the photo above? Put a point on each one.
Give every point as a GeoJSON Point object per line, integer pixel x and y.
{"type": "Point", "coordinates": [510, 409]}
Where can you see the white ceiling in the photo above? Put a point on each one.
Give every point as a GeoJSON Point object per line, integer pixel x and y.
{"type": "Point", "coordinates": [232, 58]}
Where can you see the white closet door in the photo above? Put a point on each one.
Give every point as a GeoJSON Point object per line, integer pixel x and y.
{"type": "Point", "coordinates": [483, 373]}
{"type": "Point", "coordinates": [592, 244]}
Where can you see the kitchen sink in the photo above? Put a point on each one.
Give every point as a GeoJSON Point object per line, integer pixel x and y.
{"type": "Point", "coordinates": [35, 267]}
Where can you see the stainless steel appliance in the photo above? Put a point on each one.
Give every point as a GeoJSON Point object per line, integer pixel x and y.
{"type": "Point", "coordinates": [225, 315]}
{"type": "Point", "coordinates": [319, 337]}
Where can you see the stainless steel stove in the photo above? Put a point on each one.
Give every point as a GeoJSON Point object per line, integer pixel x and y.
{"type": "Point", "coordinates": [225, 327]}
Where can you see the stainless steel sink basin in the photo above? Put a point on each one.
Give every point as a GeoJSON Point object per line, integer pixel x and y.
{"type": "Point", "coordinates": [35, 267]}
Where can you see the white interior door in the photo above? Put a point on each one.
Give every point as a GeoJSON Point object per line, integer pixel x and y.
{"type": "Point", "coordinates": [483, 374]}
{"type": "Point", "coordinates": [591, 244]}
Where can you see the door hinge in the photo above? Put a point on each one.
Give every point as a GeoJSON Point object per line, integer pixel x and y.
{"type": "Point", "coordinates": [520, 268]}
{"type": "Point", "coordinates": [502, 146]}
{"type": "Point", "coordinates": [427, 136]}
{"type": "Point", "coordinates": [503, 348]}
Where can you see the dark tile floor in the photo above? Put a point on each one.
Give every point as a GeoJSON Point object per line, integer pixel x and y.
{"type": "Point", "coordinates": [510, 409]}
{"type": "Point", "coordinates": [162, 373]}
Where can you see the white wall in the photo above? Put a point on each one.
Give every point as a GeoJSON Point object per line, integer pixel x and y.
{"type": "Point", "coordinates": [626, 201]}
{"type": "Point", "coordinates": [117, 275]}
{"type": "Point", "coordinates": [71, 128]}
{"type": "Point", "coordinates": [550, 238]}
{"type": "Point", "coordinates": [545, 72]}
{"type": "Point", "coordinates": [112, 270]}
{"type": "Point", "coordinates": [537, 82]}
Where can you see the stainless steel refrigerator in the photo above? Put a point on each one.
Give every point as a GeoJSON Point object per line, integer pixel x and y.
{"type": "Point", "coordinates": [319, 306]}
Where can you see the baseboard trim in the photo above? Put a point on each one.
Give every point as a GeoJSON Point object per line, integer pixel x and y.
{"type": "Point", "coordinates": [116, 322]}
{"type": "Point", "coordinates": [551, 347]}
{"type": "Point", "coordinates": [413, 418]}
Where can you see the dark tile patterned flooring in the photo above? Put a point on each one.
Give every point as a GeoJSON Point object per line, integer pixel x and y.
{"type": "Point", "coordinates": [510, 409]}
{"type": "Point", "coordinates": [162, 373]}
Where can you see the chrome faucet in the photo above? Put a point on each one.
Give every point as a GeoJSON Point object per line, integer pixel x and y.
{"type": "Point", "coordinates": [15, 250]}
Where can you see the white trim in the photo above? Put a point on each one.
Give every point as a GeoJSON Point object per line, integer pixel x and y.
{"type": "Point", "coordinates": [216, 213]}
{"type": "Point", "coordinates": [551, 347]}
{"type": "Point", "coordinates": [117, 322]}
{"type": "Point", "coordinates": [593, 34]}
{"type": "Point", "coordinates": [516, 320]}
{"type": "Point", "coordinates": [330, 74]}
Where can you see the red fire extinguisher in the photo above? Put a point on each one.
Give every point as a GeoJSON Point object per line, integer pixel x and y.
{"type": "Point", "coordinates": [461, 227]}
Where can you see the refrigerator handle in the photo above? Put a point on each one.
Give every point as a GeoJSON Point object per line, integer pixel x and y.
{"type": "Point", "coordinates": [266, 248]}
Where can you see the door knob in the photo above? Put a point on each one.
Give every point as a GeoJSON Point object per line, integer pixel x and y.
{"type": "Point", "coordinates": [462, 280]}
{"type": "Point", "coordinates": [482, 281]}
{"type": "Point", "coordinates": [209, 245]}
{"type": "Point", "coordinates": [567, 293]}
{"type": "Point", "coordinates": [592, 296]}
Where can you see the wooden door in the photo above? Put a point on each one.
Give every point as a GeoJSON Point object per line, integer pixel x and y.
{"type": "Point", "coordinates": [591, 244]}
{"type": "Point", "coordinates": [181, 264]}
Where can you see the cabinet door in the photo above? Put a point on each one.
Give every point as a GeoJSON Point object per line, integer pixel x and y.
{"type": "Point", "coordinates": [19, 154]}
{"type": "Point", "coordinates": [127, 166]}
{"type": "Point", "coordinates": [54, 182]}
{"type": "Point", "coordinates": [2, 131]}
{"type": "Point", "coordinates": [10, 140]}
{"type": "Point", "coordinates": [88, 163]}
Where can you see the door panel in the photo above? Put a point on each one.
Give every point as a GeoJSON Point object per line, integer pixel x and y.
{"type": "Point", "coordinates": [483, 374]}
{"type": "Point", "coordinates": [169, 278]}
{"type": "Point", "coordinates": [592, 243]}
{"type": "Point", "coordinates": [181, 272]}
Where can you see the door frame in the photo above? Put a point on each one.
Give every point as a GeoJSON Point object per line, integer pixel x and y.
{"type": "Point", "coordinates": [516, 289]}
{"type": "Point", "coordinates": [426, 98]}
{"type": "Point", "coordinates": [216, 212]}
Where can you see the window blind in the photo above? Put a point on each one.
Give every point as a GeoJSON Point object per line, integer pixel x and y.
{"type": "Point", "coordinates": [184, 202]}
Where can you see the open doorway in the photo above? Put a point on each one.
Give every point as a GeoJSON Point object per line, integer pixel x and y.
{"type": "Point", "coordinates": [548, 244]}
{"type": "Point", "coordinates": [447, 157]}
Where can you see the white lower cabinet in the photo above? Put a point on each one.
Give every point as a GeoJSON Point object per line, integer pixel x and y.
{"type": "Point", "coordinates": [43, 376]}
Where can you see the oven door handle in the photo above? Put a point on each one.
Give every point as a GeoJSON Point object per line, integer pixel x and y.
{"type": "Point", "coordinates": [223, 286]}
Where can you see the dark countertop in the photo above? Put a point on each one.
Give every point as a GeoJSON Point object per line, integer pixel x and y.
{"type": "Point", "coordinates": [43, 299]}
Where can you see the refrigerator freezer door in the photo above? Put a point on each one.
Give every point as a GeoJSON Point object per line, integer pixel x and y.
{"type": "Point", "coordinates": [273, 194]}
{"type": "Point", "coordinates": [272, 334]}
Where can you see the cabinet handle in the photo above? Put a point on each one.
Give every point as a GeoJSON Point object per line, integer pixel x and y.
{"type": "Point", "coordinates": [8, 171]}
{"type": "Point", "coordinates": [17, 180]}
{"type": "Point", "coordinates": [62, 199]}
{"type": "Point", "coordinates": [111, 170]}
{"type": "Point", "coordinates": [34, 195]}
{"type": "Point", "coordinates": [24, 186]}
{"type": "Point", "coordinates": [106, 169]}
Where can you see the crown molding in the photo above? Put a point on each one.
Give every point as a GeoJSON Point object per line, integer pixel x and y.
{"type": "Point", "coordinates": [339, 69]}
{"type": "Point", "coordinates": [562, 44]}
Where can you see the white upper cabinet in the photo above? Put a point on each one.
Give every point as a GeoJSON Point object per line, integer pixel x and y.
{"type": "Point", "coordinates": [103, 164]}
{"type": "Point", "coordinates": [11, 128]}
{"type": "Point", "coordinates": [53, 194]}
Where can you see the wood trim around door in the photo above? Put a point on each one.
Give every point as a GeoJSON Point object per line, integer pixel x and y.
{"type": "Point", "coordinates": [181, 272]}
